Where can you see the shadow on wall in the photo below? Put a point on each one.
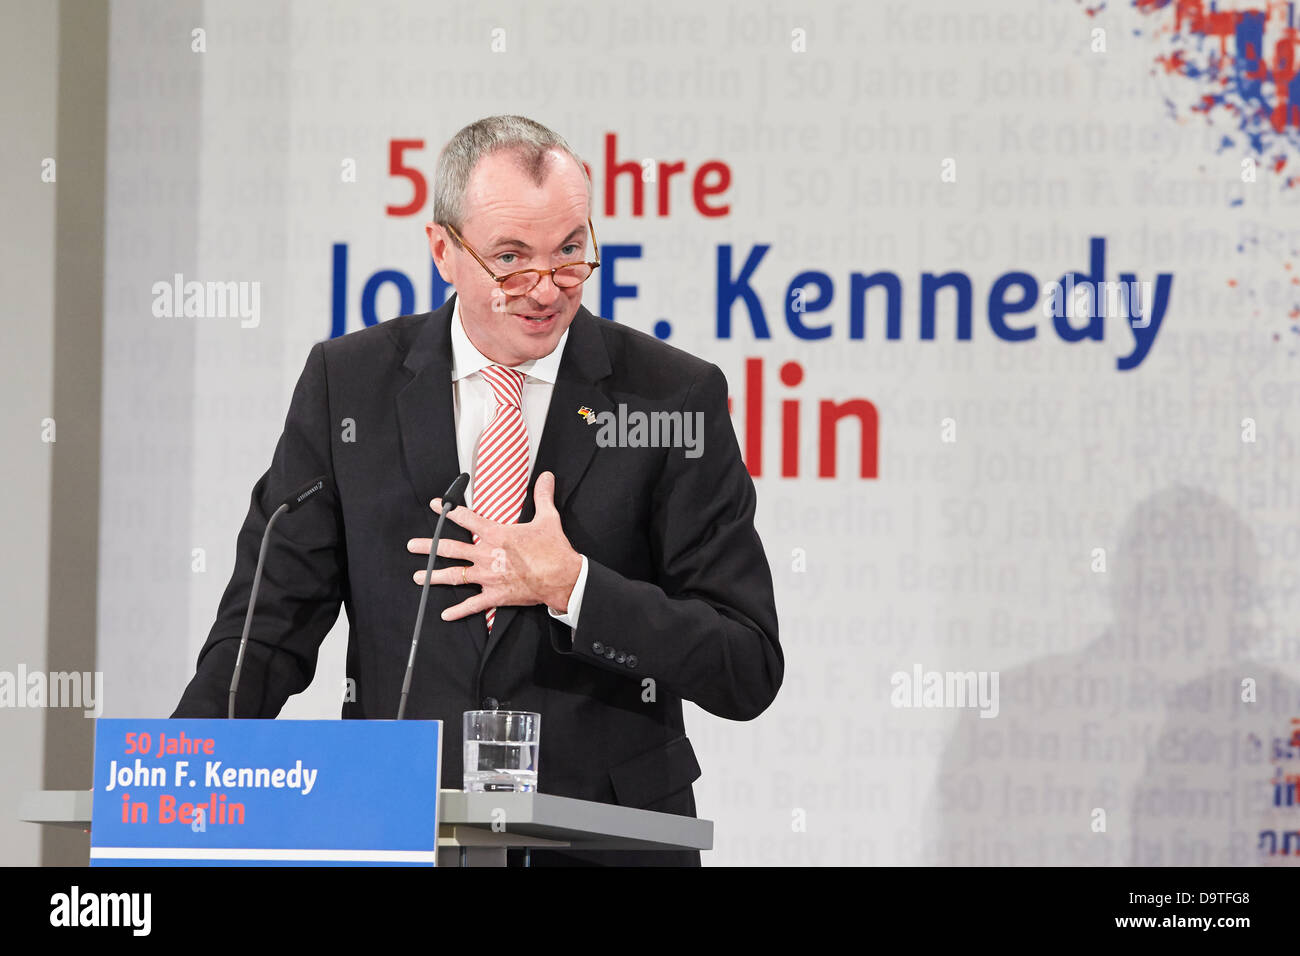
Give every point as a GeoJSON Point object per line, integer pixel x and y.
{"type": "Point", "coordinates": [1157, 744]}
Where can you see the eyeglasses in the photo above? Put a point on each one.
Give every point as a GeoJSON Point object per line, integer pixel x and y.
{"type": "Point", "coordinates": [518, 283]}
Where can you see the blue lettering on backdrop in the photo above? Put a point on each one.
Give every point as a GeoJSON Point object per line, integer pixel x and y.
{"type": "Point", "coordinates": [1141, 315]}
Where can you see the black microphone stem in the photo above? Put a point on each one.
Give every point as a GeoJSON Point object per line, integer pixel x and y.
{"type": "Point", "coordinates": [252, 602]}
{"type": "Point", "coordinates": [419, 617]}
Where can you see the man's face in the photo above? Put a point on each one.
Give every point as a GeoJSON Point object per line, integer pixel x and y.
{"type": "Point", "coordinates": [513, 224]}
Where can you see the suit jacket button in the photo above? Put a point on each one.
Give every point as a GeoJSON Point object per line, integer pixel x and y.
{"type": "Point", "coordinates": [597, 647]}
{"type": "Point", "coordinates": [620, 657]}
{"type": "Point", "coordinates": [609, 653]}
{"type": "Point", "coordinates": [490, 703]}
{"type": "Point", "coordinates": [631, 660]}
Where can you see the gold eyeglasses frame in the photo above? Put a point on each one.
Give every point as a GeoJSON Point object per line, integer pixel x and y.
{"type": "Point", "coordinates": [501, 279]}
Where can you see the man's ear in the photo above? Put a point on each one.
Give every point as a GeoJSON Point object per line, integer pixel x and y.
{"type": "Point", "coordinates": [439, 248]}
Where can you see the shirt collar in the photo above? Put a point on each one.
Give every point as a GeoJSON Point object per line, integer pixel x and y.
{"type": "Point", "coordinates": [466, 359]}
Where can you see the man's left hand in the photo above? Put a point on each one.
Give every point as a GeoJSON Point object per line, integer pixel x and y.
{"type": "Point", "coordinates": [515, 564]}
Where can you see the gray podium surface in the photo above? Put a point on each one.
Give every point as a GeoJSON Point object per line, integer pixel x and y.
{"type": "Point", "coordinates": [466, 835]}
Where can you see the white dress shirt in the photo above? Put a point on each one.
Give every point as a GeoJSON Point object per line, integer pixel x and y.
{"type": "Point", "coordinates": [476, 405]}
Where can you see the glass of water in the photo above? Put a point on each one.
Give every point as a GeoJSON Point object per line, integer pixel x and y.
{"type": "Point", "coordinates": [501, 749]}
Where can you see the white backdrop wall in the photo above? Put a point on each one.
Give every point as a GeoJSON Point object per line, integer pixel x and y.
{"type": "Point", "coordinates": [1118, 544]}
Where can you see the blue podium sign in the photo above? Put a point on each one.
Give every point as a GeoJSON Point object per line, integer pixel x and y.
{"type": "Point", "coordinates": [266, 793]}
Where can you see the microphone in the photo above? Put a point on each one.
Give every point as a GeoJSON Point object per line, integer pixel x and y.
{"type": "Point", "coordinates": [291, 503]}
{"type": "Point", "coordinates": [454, 498]}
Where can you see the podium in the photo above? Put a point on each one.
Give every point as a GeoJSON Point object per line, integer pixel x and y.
{"type": "Point", "coordinates": [466, 833]}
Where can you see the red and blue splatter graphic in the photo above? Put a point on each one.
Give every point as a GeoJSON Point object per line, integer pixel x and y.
{"type": "Point", "coordinates": [1242, 68]}
{"type": "Point", "coordinates": [1274, 249]}
{"type": "Point", "coordinates": [1245, 64]}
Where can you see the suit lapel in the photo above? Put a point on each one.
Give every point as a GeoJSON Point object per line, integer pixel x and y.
{"type": "Point", "coordinates": [427, 430]}
{"type": "Point", "coordinates": [568, 441]}
{"type": "Point", "coordinates": [426, 424]}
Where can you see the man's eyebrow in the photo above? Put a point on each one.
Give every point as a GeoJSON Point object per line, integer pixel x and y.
{"type": "Point", "coordinates": [577, 230]}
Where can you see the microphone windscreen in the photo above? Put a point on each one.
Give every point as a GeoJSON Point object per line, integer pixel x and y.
{"type": "Point", "coordinates": [306, 492]}
{"type": "Point", "coordinates": [456, 493]}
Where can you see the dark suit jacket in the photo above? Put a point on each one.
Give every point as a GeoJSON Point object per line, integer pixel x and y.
{"type": "Point", "coordinates": [678, 602]}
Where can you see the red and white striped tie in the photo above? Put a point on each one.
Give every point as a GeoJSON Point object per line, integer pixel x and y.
{"type": "Point", "coordinates": [501, 478]}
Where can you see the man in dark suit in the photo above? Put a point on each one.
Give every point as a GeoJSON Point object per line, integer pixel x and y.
{"type": "Point", "coordinates": [619, 580]}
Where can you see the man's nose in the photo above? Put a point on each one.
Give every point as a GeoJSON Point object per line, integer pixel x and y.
{"type": "Point", "coordinates": [546, 291]}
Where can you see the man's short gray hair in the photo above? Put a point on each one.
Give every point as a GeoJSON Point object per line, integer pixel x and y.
{"type": "Point", "coordinates": [526, 139]}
